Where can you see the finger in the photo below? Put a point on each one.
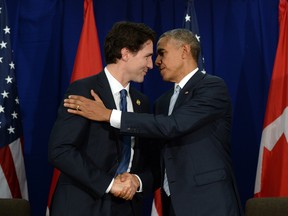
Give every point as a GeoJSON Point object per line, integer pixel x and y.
{"type": "Point", "coordinates": [125, 192]}
{"type": "Point", "coordinates": [70, 105]}
{"type": "Point", "coordinates": [95, 96]}
{"type": "Point", "coordinates": [76, 107]}
{"type": "Point", "coordinates": [117, 194]}
{"type": "Point", "coordinates": [126, 196]}
{"type": "Point", "coordinates": [76, 97]}
{"type": "Point", "coordinates": [129, 196]}
{"type": "Point", "coordinates": [122, 178]}
{"type": "Point", "coordinates": [74, 111]}
{"type": "Point", "coordinates": [69, 101]}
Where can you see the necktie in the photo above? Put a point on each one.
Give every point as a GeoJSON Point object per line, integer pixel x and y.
{"type": "Point", "coordinates": [171, 106]}
{"type": "Point", "coordinates": [174, 98]}
{"type": "Point", "coordinates": [126, 140]}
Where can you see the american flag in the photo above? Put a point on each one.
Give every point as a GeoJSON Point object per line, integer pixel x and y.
{"type": "Point", "coordinates": [13, 182]}
{"type": "Point", "coordinates": [191, 23]}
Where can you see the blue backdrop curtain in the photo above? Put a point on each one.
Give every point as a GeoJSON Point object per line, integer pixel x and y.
{"type": "Point", "coordinates": [239, 39]}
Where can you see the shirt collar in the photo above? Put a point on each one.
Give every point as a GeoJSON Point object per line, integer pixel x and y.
{"type": "Point", "coordinates": [183, 82]}
{"type": "Point", "coordinates": [115, 85]}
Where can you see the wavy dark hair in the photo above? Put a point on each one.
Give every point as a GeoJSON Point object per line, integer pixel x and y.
{"type": "Point", "coordinates": [128, 35]}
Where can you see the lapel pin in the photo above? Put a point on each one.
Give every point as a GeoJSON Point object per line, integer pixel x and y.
{"type": "Point", "coordinates": [138, 102]}
{"type": "Point", "coordinates": [186, 92]}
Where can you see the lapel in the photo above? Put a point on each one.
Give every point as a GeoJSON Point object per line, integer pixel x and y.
{"type": "Point", "coordinates": [136, 100]}
{"type": "Point", "coordinates": [139, 106]}
{"type": "Point", "coordinates": [162, 104]}
{"type": "Point", "coordinates": [102, 88]}
{"type": "Point", "coordinates": [188, 88]}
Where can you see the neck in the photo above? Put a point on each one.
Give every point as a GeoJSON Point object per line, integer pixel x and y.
{"type": "Point", "coordinates": [118, 73]}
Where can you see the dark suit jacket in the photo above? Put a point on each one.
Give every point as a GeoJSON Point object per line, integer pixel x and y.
{"type": "Point", "coordinates": [196, 149]}
{"type": "Point", "coordinates": [88, 153]}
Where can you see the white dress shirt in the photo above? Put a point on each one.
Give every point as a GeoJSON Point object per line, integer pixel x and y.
{"type": "Point", "coordinates": [116, 87]}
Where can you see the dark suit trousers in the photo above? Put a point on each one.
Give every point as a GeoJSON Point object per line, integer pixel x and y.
{"type": "Point", "coordinates": [121, 207]}
{"type": "Point", "coordinates": [167, 207]}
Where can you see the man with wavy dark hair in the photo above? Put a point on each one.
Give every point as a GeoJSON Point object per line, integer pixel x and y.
{"type": "Point", "coordinates": [95, 177]}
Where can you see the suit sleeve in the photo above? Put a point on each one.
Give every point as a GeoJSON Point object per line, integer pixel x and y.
{"type": "Point", "coordinates": [67, 139]}
{"type": "Point", "coordinates": [207, 102]}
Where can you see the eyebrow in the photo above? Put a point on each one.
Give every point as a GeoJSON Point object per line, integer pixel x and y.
{"type": "Point", "coordinates": [161, 51]}
{"type": "Point", "coordinates": [149, 54]}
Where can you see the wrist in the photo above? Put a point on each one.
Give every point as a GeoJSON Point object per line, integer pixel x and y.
{"type": "Point", "coordinates": [108, 115]}
{"type": "Point", "coordinates": [136, 180]}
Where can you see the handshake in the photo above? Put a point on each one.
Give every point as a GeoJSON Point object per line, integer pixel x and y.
{"type": "Point", "coordinates": [125, 186]}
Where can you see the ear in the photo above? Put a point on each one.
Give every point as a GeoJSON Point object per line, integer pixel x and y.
{"type": "Point", "coordinates": [125, 54]}
{"type": "Point", "coordinates": [186, 51]}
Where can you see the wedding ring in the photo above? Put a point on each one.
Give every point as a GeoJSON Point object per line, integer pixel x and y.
{"type": "Point", "coordinates": [77, 108]}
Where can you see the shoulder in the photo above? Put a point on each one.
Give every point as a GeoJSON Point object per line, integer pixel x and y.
{"type": "Point", "coordinates": [212, 81]}
{"type": "Point", "coordinates": [213, 78]}
{"type": "Point", "coordinates": [89, 79]}
{"type": "Point", "coordinates": [84, 85]}
{"type": "Point", "coordinates": [212, 86]}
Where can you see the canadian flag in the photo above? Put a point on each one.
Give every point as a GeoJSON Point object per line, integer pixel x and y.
{"type": "Point", "coordinates": [156, 204]}
{"type": "Point", "coordinates": [87, 62]}
{"type": "Point", "coordinates": [272, 170]}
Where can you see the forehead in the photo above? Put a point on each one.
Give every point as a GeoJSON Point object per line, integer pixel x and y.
{"type": "Point", "coordinates": [166, 43]}
{"type": "Point", "coordinates": [147, 47]}
{"type": "Point", "coordinates": [162, 42]}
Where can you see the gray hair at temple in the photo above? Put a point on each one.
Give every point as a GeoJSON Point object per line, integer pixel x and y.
{"type": "Point", "coordinates": [185, 36]}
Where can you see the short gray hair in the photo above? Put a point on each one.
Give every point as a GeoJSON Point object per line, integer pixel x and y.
{"type": "Point", "coordinates": [185, 36]}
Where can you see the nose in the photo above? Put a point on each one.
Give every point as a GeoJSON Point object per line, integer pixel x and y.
{"type": "Point", "coordinates": [158, 61]}
{"type": "Point", "coordinates": [150, 63]}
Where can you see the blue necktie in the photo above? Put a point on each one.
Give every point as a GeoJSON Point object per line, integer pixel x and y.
{"type": "Point", "coordinates": [126, 140]}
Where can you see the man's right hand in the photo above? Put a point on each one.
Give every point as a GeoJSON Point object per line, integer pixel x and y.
{"type": "Point", "coordinates": [91, 109]}
{"type": "Point", "coordinates": [124, 187]}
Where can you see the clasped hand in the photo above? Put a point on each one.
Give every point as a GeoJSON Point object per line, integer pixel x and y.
{"type": "Point", "coordinates": [125, 186]}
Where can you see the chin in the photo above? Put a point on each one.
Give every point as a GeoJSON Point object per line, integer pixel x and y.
{"type": "Point", "coordinates": [163, 77]}
{"type": "Point", "coordinates": [139, 80]}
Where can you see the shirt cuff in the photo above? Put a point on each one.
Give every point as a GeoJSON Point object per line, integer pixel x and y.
{"type": "Point", "coordinates": [115, 118]}
{"type": "Point", "coordinates": [110, 186]}
{"type": "Point", "coordinates": [140, 186]}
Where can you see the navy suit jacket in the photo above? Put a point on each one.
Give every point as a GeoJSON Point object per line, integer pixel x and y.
{"type": "Point", "coordinates": [88, 153]}
{"type": "Point", "coordinates": [195, 146]}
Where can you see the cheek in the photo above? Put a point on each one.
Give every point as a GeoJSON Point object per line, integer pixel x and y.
{"type": "Point", "coordinates": [165, 76]}
{"type": "Point", "coordinates": [143, 66]}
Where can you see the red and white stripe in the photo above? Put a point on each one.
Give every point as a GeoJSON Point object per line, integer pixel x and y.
{"type": "Point", "coordinates": [13, 183]}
